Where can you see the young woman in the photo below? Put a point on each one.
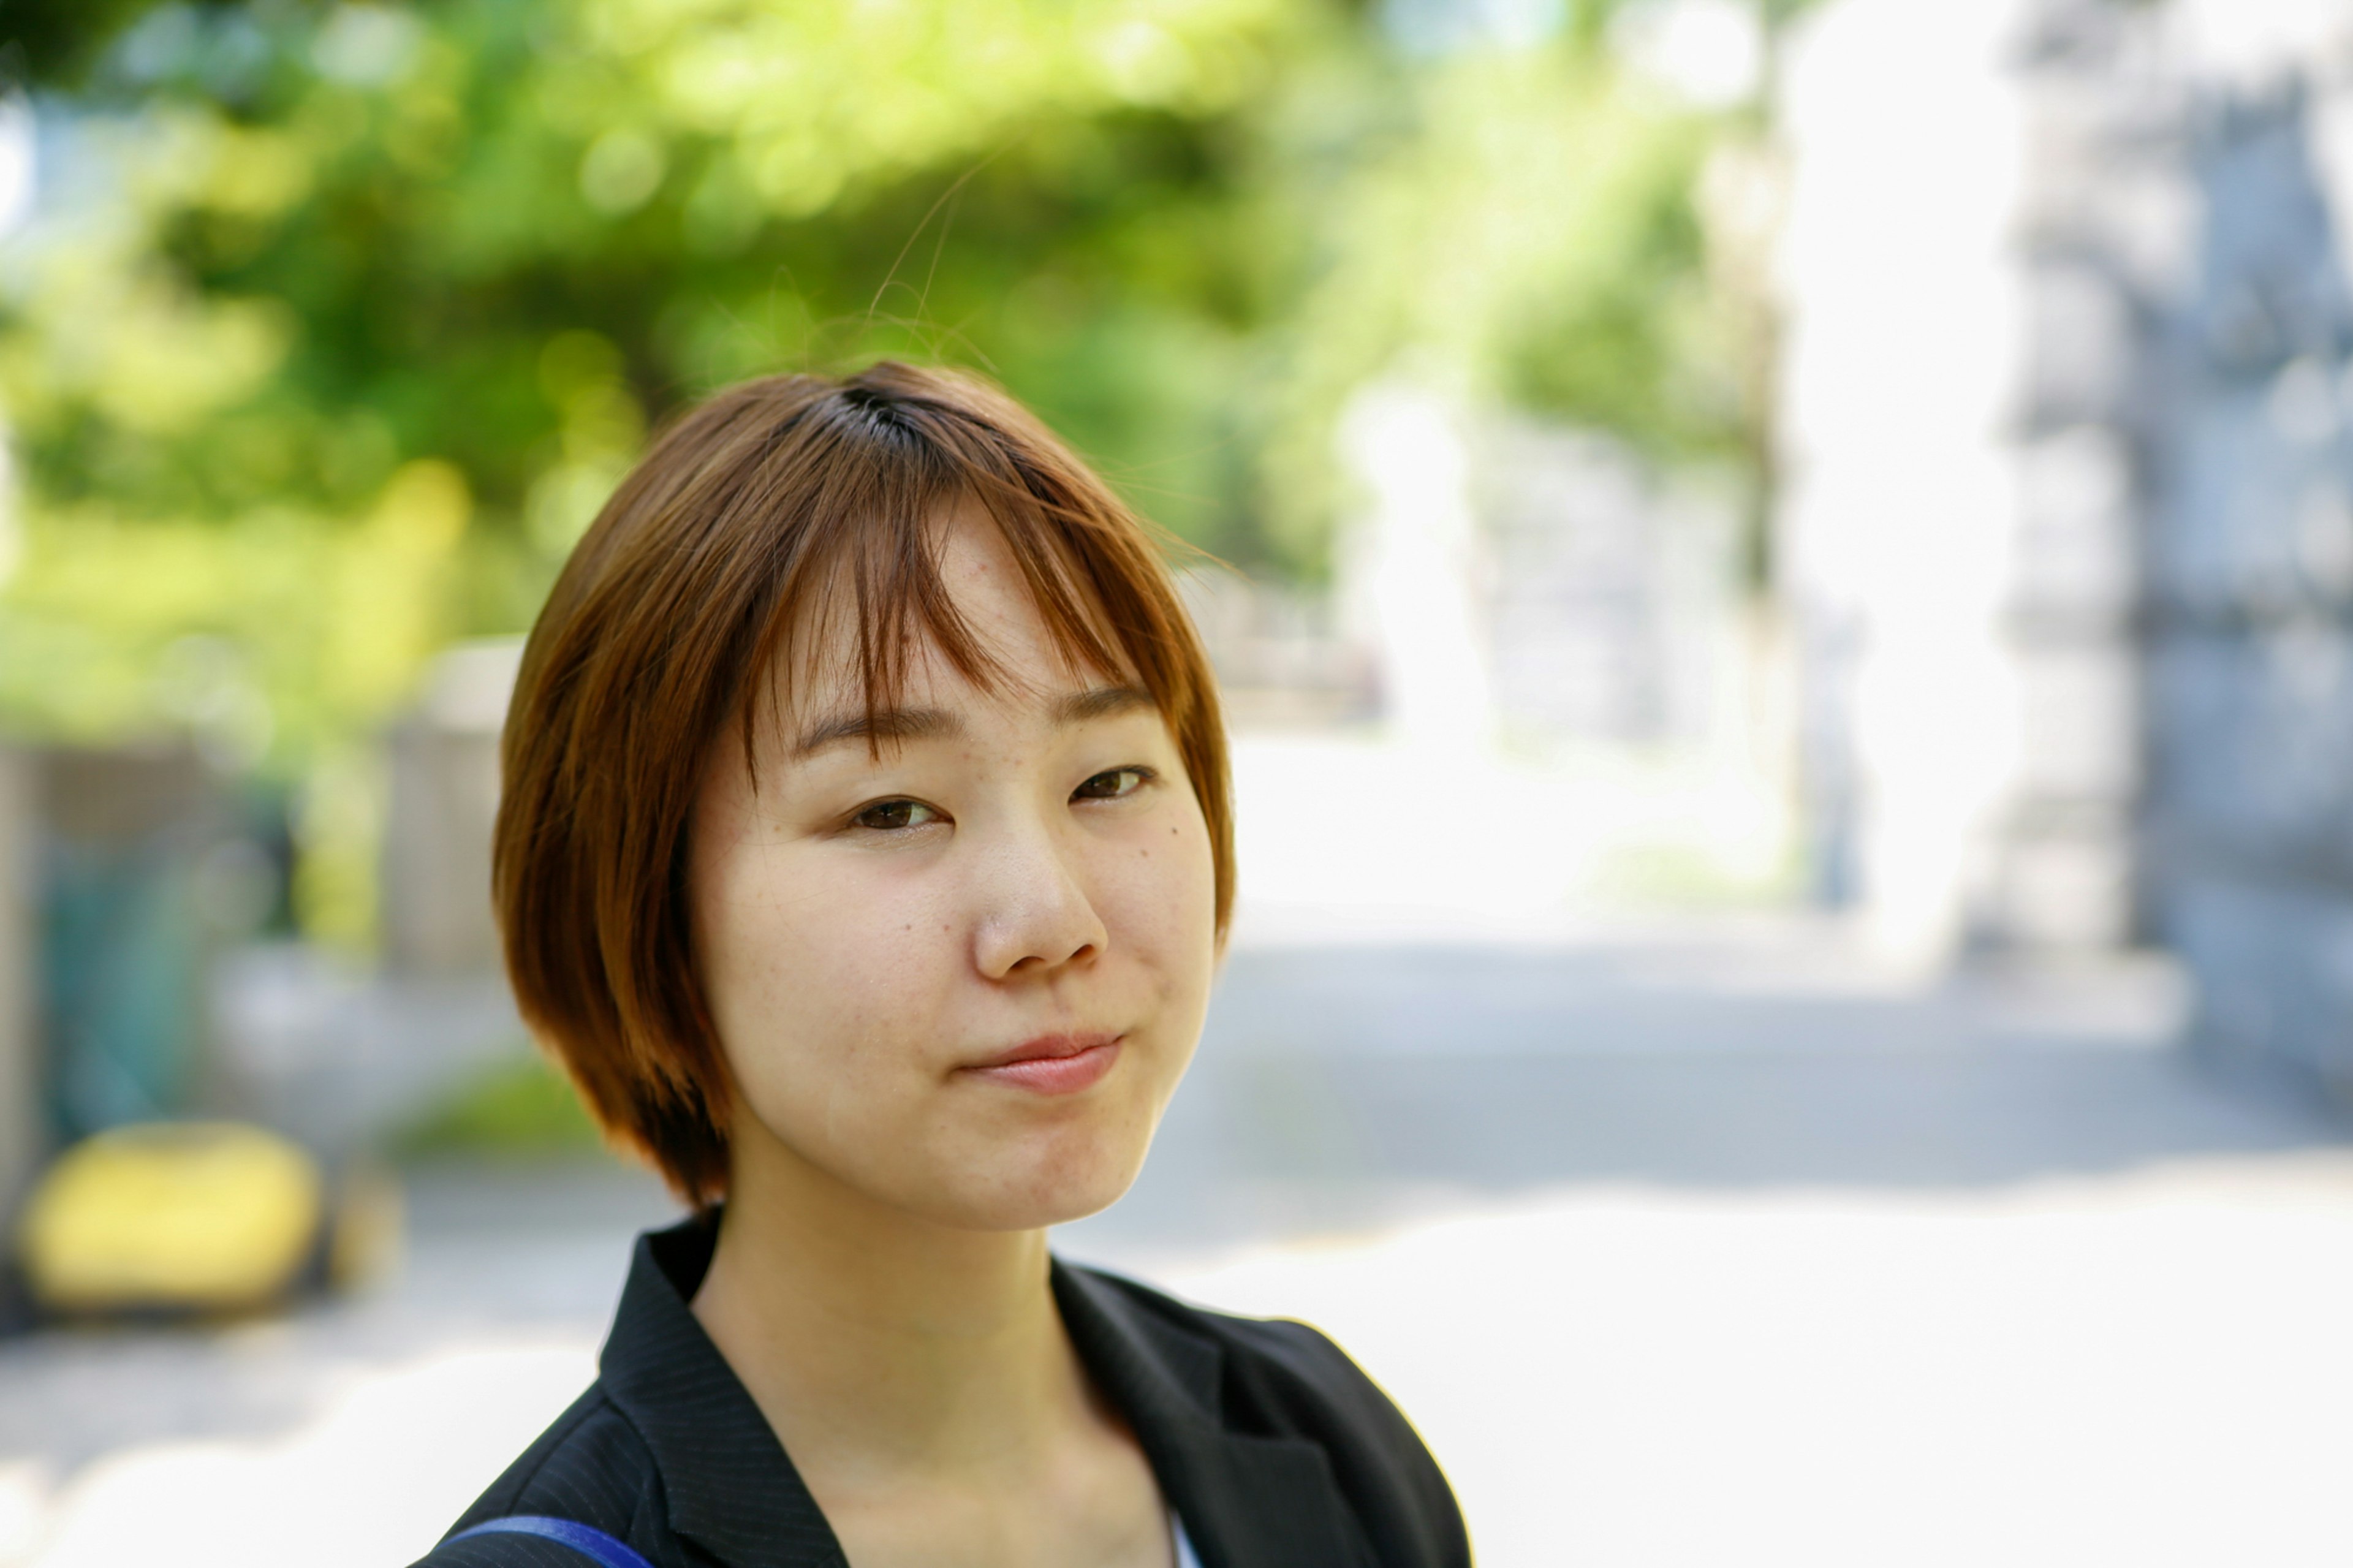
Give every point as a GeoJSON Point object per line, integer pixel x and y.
{"type": "Point", "coordinates": [865, 855]}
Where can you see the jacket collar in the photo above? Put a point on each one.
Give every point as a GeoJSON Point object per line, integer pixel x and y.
{"type": "Point", "coordinates": [1247, 1500]}
{"type": "Point", "coordinates": [726, 1479]}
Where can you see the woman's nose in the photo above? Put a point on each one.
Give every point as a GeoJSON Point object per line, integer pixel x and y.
{"type": "Point", "coordinates": [1034, 916]}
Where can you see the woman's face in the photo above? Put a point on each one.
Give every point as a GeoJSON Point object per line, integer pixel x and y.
{"type": "Point", "coordinates": [961, 972]}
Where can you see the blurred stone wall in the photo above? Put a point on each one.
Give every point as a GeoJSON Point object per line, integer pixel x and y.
{"type": "Point", "coordinates": [2101, 237]}
{"type": "Point", "coordinates": [2135, 719]}
{"type": "Point", "coordinates": [2189, 486]}
{"type": "Point", "coordinates": [2249, 556]}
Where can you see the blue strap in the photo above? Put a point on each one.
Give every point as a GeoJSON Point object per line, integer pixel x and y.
{"type": "Point", "coordinates": [595, 1544]}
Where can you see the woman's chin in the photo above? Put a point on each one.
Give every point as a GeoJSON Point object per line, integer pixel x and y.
{"type": "Point", "coordinates": [1053, 1186]}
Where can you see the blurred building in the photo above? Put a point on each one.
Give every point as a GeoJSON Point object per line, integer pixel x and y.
{"type": "Point", "coordinates": [339, 1052]}
{"type": "Point", "coordinates": [123, 872]}
{"type": "Point", "coordinates": [20, 1128]}
{"type": "Point", "coordinates": [444, 756]}
{"type": "Point", "coordinates": [1511, 576]}
{"type": "Point", "coordinates": [125, 929]}
{"type": "Point", "coordinates": [1613, 595]}
{"type": "Point", "coordinates": [2068, 537]}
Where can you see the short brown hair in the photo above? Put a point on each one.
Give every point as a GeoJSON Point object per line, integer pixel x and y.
{"type": "Point", "coordinates": [773, 499]}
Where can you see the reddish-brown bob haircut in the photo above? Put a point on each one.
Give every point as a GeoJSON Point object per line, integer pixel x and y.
{"type": "Point", "coordinates": [777, 500]}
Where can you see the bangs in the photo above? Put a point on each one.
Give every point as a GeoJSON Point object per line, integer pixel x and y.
{"type": "Point", "coordinates": [861, 593]}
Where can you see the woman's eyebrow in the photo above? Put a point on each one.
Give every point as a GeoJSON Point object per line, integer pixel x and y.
{"type": "Point", "coordinates": [902, 725]}
{"type": "Point", "coordinates": [874, 728]}
{"type": "Point", "coordinates": [1101, 702]}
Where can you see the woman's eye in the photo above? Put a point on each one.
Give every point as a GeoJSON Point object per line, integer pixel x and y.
{"type": "Point", "coordinates": [888, 816]}
{"type": "Point", "coordinates": [1112, 784]}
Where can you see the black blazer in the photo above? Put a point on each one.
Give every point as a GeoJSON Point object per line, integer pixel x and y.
{"type": "Point", "coordinates": [1274, 1449]}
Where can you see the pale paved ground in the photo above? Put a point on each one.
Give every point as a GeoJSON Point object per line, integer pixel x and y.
{"type": "Point", "coordinates": [1681, 1250]}
{"type": "Point", "coordinates": [1685, 1243]}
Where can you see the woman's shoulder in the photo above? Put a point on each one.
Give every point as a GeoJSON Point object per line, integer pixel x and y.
{"type": "Point", "coordinates": [590, 1466]}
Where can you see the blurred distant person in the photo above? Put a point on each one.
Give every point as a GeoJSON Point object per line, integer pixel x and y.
{"type": "Point", "coordinates": [865, 855]}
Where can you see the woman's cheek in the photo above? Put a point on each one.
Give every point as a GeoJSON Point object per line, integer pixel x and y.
{"type": "Point", "coordinates": [796, 962]}
{"type": "Point", "coordinates": [861, 951]}
{"type": "Point", "coordinates": [1162, 887]}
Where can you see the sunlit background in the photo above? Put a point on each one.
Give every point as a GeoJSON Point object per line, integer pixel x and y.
{"type": "Point", "coordinates": [1784, 575]}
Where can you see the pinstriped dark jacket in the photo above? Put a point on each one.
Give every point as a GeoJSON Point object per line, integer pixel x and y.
{"type": "Point", "coordinates": [1270, 1445]}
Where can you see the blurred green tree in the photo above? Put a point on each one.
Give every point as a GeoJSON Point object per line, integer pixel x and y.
{"type": "Point", "coordinates": [337, 322]}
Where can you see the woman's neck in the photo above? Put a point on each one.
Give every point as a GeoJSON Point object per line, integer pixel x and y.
{"type": "Point", "coordinates": [881, 1346]}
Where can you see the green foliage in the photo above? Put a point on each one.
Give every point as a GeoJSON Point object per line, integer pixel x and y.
{"type": "Point", "coordinates": [353, 313]}
{"type": "Point", "coordinates": [1518, 228]}
{"type": "Point", "coordinates": [506, 236]}
{"type": "Point", "coordinates": [521, 1108]}
{"type": "Point", "coordinates": [55, 39]}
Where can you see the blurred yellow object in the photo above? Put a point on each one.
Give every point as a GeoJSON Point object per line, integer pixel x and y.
{"type": "Point", "coordinates": [369, 1222]}
{"type": "Point", "coordinates": [194, 1215]}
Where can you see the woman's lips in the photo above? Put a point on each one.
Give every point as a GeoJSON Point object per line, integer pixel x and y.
{"type": "Point", "coordinates": [1053, 1064]}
